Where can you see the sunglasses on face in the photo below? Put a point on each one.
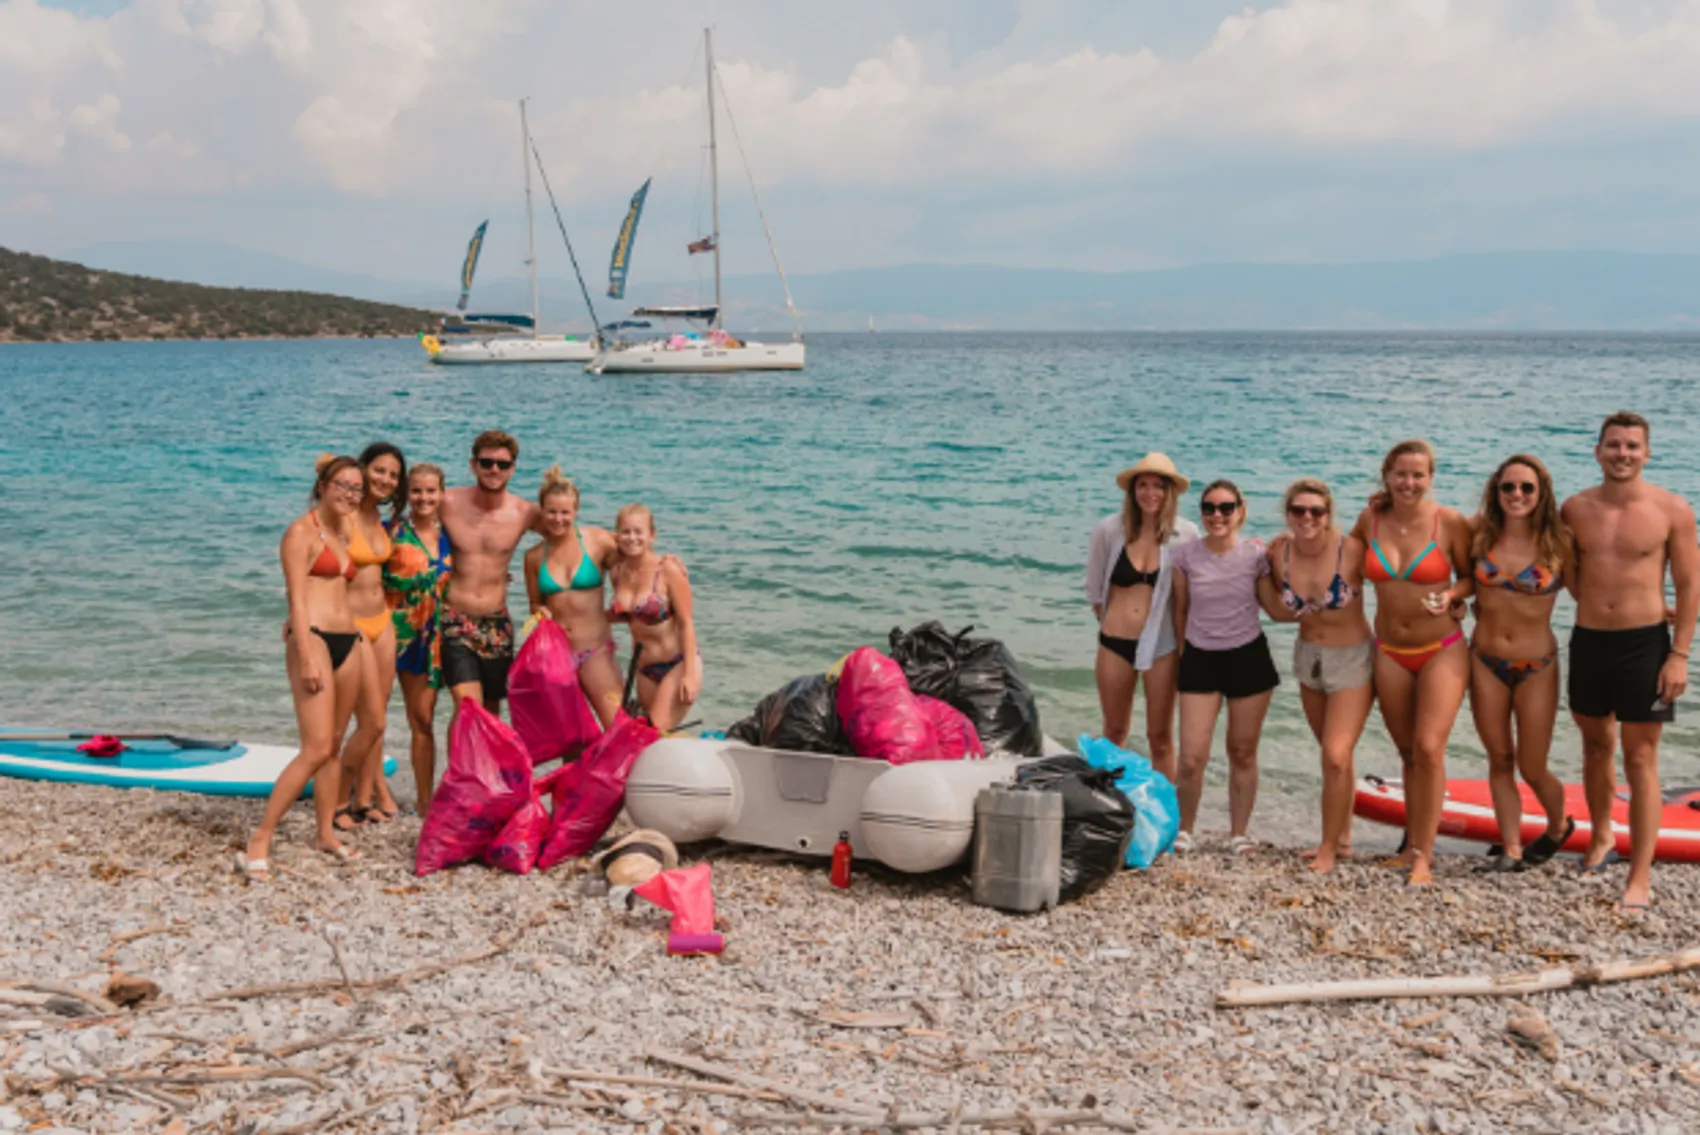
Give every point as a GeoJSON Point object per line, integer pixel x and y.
{"type": "Point", "coordinates": [1300, 511]}
{"type": "Point", "coordinates": [1218, 508]}
{"type": "Point", "coordinates": [1508, 488]}
{"type": "Point", "coordinates": [494, 463]}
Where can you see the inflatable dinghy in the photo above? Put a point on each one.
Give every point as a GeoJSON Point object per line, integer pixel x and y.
{"type": "Point", "coordinates": [1468, 814]}
{"type": "Point", "coordinates": [166, 763]}
{"type": "Point", "coordinates": [914, 817]}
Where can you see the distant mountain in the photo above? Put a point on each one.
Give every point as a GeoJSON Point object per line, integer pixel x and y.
{"type": "Point", "coordinates": [56, 300]}
{"type": "Point", "coordinates": [1487, 291]}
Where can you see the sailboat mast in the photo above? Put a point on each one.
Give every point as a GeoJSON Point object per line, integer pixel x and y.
{"type": "Point", "coordinates": [713, 167]}
{"type": "Point", "coordinates": [530, 233]}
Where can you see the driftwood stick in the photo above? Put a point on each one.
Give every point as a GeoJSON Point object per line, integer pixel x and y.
{"type": "Point", "coordinates": [859, 1113]}
{"type": "Point", "coordinates": [1471, 985]}
{"type": "Point", "coordinates": [388, 981]}
{"type": "Point", "coordinates": [128, 936]}
{"type": "Point", "coordinates": [58, 988]}
{"type": "Point", "coordinates": [336, 956]}
{"type": "Point", "coordinates": [696, 1087]}
{"type": "Point", "coordinates": [1026, 1119]}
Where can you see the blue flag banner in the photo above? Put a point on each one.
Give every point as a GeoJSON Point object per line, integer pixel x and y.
{"type": "Point", "coordinates": [473, 248]}
{"type": "Point", "coordinates": [623, 243]}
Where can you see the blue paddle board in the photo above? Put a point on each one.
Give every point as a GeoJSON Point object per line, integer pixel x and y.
{"type": "Point", "coordinates": [235, 770]}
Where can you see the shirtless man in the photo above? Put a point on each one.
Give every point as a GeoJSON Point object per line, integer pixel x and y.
{"type": "Point", "coordinates": [485, 524]}
{"type": "Point", "coordinates": [1624, 669]}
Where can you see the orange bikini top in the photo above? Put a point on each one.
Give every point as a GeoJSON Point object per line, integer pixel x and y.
{"type": "Point", "coordinates": [1429, 566]}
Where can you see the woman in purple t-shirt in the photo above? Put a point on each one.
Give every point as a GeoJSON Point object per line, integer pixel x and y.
{"type": "Point", "coordinates": [1221, 582]}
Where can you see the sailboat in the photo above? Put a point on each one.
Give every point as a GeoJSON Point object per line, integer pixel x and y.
{"type": "Point", "coordinates": [510, 348]}
{"type": "Point", "coordinates": [712, 349]}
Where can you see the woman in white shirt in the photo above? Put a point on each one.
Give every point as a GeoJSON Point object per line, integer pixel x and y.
{"type": "Point", "coordinates": [1128, 584]}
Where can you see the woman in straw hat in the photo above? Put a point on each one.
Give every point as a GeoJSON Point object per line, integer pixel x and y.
{"type": "Point", "coordinates": [1128, 582]}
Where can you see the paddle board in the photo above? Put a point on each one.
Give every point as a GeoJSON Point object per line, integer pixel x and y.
{"type": "Point", "coordinates": [1468, 815]}
{"type": "Point", "coordinates": [235, 770]}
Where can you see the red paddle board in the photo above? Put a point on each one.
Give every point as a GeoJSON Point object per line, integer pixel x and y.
{"type": "Point", "coordinates": [1468, 814]}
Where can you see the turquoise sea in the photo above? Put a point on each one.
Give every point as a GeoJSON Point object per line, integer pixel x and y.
{"type": "Point", "coordinates": [899, 478]}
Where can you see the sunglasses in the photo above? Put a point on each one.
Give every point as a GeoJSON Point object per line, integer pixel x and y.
{"type": "Point", "coordinates": [1218, 508]}
{"type": "Point", "coordinates": [1527, 488]}
{"type": "Point", "coordinates": [494, 463]}
{"type": "Point", "coordinates": [1299, 511]}
{"type": "Point", "coordinates": [352, 488]}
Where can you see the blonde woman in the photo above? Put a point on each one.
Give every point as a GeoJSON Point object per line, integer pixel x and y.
{"type": "Point", "coordinates": [1221, 584]}
{"type": "Point", "coordinates": [1418, 560]}
{"type": "Point", "coordinates": [1524, 553]}
{"type": "Point", "coordinates": [563, 580]}
{"type": "Point", "coordinates": [1129, 575]}
{"type": "Point", "coordinates": [652, 596]}
{"type": "Point", "coordinates": [1319, 570]}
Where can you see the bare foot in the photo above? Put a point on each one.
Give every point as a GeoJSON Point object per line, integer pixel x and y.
{"type": "Point", "coordinates": [1322, 861]}
{"type": "Point", "coordinates": [1313, 852]}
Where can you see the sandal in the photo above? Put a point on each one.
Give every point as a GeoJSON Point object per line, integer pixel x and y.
{"type": "Point", "coordinates": [379, 815]}
{"type": "Point", "coordinates": [1182, 844]}
{"type": "Point", "coordinates": [1544, 847]}
{"type": "Point", "coordinates": [353, 813]}
{"type": "Point", "coordinates": [1612, 859]}
{"type": "Point", "coordinates": [1503, 864]}
{"type": "Point", "coordinates": [254, 870]}
{"type": "Point", "coordinates": [342, 852]}
{"type": "Point", "coordinates": [1242, 845]}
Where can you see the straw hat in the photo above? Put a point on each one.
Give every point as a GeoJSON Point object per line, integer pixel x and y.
{"type": "Point", "coordinates": [638, 857]}
{"type": "Point", "coordinates": [1157, 463]}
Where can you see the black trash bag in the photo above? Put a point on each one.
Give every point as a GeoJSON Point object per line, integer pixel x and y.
{"type": "Point", "coordinates": [801, 717]}
{"type": "Point", "coordinates": [979, 677]}
{"type": "Point", "coordinates": [1097, 820]}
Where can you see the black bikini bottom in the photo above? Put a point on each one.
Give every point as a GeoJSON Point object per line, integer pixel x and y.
{"type": "Point", "coordinates": [339, 643]}
{"type": "Point", "coordinates": [1128, 648]}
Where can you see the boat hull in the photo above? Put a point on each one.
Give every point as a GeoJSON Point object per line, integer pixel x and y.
{"type": "Point", "coordinates": [240, 770]}
{"type": "Point", "coordinates": [484, 352]}
{"type": "Point", "coordinates": [699, 358]}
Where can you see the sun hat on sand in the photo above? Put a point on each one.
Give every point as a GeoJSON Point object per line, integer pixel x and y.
{"type": "Point", "coordinates": [1157, 463]}
{"type": "Point", "coordinates": [638, 857]}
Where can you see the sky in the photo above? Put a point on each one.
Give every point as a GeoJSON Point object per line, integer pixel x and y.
{"type": "Point", "coordinates": [372, 135]}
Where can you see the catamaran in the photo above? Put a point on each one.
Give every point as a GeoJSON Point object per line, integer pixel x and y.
{"type": "Point", "coordinates": [709, 349]}
{"type": "Point", "coordinates": [499, 347]}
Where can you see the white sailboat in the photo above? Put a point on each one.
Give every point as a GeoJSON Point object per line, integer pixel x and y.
{"type": "Point", "coordinates": [711, 350]}
{"type": "Point", "coordinates": [532, 348]}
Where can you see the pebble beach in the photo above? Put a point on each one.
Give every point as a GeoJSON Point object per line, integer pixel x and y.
{"type": "Point", "coordinates": [360, 999]}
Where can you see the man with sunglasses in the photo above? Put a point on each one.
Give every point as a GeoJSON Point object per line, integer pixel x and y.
{"type": "Point", "coordinates": [485, 524]}
{"type": "Point", "coordinates": [1626, 673]}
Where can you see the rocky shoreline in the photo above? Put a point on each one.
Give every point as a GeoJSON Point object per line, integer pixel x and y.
{"type": "Point", "coordinates": [361, 999]}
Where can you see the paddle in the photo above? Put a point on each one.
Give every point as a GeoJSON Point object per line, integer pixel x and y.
{"type": "Point", "coordinates": [627, 701]}
{"type": "Point", "coordinates": [179, 741]}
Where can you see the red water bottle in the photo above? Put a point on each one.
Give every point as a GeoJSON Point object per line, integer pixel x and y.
{"type": "Point", "coordinates": [841, 862]}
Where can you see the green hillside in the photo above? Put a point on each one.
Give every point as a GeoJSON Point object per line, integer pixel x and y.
{"type": "Point", "coordinates": [44, 300]}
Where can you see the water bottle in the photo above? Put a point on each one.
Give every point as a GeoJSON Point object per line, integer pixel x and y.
{"type": "Point", "coordinates": [841, 862]}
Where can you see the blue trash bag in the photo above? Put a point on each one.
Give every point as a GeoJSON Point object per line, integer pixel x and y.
{"type": "Point", "coordinates": [1156, 808]}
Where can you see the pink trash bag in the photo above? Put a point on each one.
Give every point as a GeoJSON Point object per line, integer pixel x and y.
{"type": "Point", "coordinates": [882, 718]}
{"type": "Point", "coordinates": [488, 780]}
{"type": "Point", "coordinates": [546, 702]}
{"type": "Point", "coordinates": [956, 735]}
{"type": "Point", "coordinates": [686, 891]}
{"type": "Point", "coordinates": [520, 841]}
{"type": "Point", "coordinates": [589, 791]}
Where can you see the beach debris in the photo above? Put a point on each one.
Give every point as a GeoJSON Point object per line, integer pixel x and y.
{"type": "Point", "coordinates": [636, 857]}
{"type": "Point", "coordinates": [852, 1019]}
{"type": "Point", "coordinates": [129, 990]}
{"type": "Point", "coordinates": [487, 781]}
{"type": "Point", "coordinates": [1473, 985]}
{"type": "Point", "coordinates": [1528, 1028]}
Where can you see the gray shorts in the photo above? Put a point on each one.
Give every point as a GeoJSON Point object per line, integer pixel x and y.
{"type": "Point", "coordinates": [1333, 668]}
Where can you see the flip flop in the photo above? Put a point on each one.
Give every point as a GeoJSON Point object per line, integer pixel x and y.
{"type": "Point", "coordinates": [1612, 858]}
{"type": "Point", "coordinates": [1634, 911]}
{"type": "Point", "coordinates": [1543, 847]}
{"type": "Point", "coordinates": [342, 852]}
{"type": "Point", "coordinates": [355, 815]}
{"type": "Point", "coordinates": [377, 815]}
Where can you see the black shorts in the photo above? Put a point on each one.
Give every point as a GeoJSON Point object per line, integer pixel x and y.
{"type": "Point", "coordinates": [1616, 673]}
{"type": "Point", "coordinates": [1243, 672]}
{"type": "Point", "coordinates": [477, 648]}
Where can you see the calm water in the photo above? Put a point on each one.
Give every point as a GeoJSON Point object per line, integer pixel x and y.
{"type": "Point", "coordinates": [900, 478]}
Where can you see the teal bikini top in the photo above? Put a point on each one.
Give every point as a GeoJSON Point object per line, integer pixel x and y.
{"type": "Point", "coordinates": [586, 577]}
